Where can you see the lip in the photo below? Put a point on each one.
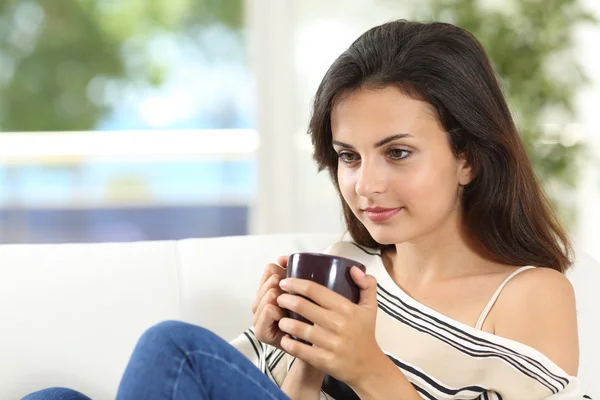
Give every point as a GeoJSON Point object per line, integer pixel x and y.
{"type": "Point", "coordinates": [380, 214]}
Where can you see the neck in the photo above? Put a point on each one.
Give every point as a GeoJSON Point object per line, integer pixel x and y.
{"type": "Point", "coordinates": [443, 253]}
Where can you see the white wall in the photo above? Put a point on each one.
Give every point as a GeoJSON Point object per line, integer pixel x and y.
{"type": "Point", "coordinates": [588, 104]}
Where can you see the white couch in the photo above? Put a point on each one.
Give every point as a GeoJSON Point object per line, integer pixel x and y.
{"type": "Point", "coordinates": [71, 314]}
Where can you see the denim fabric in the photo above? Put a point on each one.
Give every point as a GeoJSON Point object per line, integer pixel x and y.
{"type": "Point", "coordinates": [178, 361]}
{"type": "Point", "coordinates": [56, 394]}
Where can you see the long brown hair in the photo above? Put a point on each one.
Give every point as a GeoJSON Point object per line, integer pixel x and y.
{"type": "Point", "coordinates": [505, 211]}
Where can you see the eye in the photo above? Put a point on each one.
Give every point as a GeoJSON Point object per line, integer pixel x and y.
{"type": "Point", "coordinates": [347, 157]}
{"type": "Point", "coordinates": [399, 154]}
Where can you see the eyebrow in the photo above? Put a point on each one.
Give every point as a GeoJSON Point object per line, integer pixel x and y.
{"type": "Point", "coordinates": [380, 143]}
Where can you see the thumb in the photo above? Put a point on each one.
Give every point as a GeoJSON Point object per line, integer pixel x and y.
{"type": "Point", "coordinates": [367, 285]}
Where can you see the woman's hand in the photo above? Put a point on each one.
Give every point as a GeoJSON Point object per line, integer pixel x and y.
{"type": "Point", "coordinates": [267, 313]}
{"type": "Point", "coordinates": [343, 334]}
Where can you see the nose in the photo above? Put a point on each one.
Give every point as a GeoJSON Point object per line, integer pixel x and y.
{"type": "Point", "coordinates": [371, 179]}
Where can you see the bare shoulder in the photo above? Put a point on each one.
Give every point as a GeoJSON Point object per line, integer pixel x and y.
{"type": "Point", "coordinates": [537, 308]}
{"type": "Point", "coordinates": [543, 284]}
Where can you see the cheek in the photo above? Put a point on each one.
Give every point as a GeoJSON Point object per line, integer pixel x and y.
{"type": "Point", "coordinates": [347, 183]}
{"type": "Point", "coordinates": [427, 185]}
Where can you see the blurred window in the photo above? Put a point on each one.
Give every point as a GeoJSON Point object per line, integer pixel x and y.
{"type": "Point", "coordinates": [124, 120]}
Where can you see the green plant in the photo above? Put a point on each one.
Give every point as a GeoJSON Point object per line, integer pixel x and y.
{"type": "Point", "coordinates": [51, 50]}
{"type": "Point", "coordinates": [531, 44]}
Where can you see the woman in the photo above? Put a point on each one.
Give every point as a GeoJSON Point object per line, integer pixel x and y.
{"type": "Point", "coordinates": [465, 259]}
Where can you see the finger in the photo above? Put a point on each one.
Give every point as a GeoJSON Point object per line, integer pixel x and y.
{"type": "Point", "coordinates": [367, 285]}
{"type": "Point", "coordinates": [309, 310]}
{"type": "Point", "coordinates": [271, 283]}
{"type": "Point", "coordinates": [359, 277]}
{"type": "Point", "coordinates": [311, 333]}
{"type": "Point", "coordinates": [313, 355]}
{"type": "Point", "coordinates": [282, 261]}
{"type": "Point", "coordinates": [266, 328]}
{"type": "Point", "coordinates": [270, 297]}
{"type": "Point", "coordinates": [272, 269]}
{"type": "Point", "coordinates": [321, 295]}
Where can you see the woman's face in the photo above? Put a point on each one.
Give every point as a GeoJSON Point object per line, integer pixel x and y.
{"type": "Point", "coordinates": [396, 170]}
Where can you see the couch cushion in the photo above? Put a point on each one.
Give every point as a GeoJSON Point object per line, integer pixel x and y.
{"type": "Point", "coordinates": [71, 314]}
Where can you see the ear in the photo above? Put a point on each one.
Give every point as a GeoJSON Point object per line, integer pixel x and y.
{"type": "Point", "coordinates": [465, 172]}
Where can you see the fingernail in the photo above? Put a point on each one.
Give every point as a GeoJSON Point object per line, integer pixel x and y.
{"type": "Point", "coordinates": [283, 283]}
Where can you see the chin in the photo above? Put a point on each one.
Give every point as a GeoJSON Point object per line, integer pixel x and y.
{"type": "Point", "coordinates": [384, 234]}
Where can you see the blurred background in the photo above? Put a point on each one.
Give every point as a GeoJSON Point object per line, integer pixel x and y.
{"type": "Point", "coordinates": [130, 120]}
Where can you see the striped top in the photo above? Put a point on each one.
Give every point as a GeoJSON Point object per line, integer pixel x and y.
{"type": "Point", "coordinates": [441, 357]}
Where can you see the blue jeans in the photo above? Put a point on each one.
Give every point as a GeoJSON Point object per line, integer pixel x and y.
{"type": "Point", "coordinates": [56, 394]}
{"type": "Point", "coordinates": [178, 361]}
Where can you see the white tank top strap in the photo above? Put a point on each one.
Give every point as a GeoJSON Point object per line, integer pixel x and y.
{"type": "Point", "coordinates": [492, 301]}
